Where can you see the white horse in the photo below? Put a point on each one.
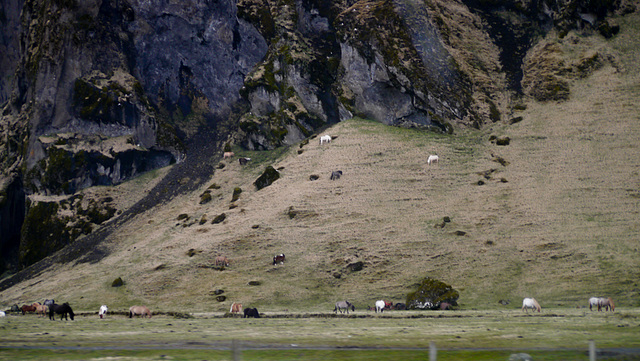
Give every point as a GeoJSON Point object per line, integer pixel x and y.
{"type": "Point", "coordinates": [433, 159]}
{"type": "Point", "coordinates": [380, 305]}
{"type": "Point", "coordinates": [103, 311]}
{"type": "Point", "coordinates": [530, 303]}
{"type": "Point", "coordinates": [594, 301]}
{"type": "Point", "coordinates": [2, 314]}
{"type": "Point", "coordinates": [325, 139]}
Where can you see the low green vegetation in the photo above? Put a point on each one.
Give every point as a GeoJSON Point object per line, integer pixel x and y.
{"type": "Point", "coordinates": [467, 335]}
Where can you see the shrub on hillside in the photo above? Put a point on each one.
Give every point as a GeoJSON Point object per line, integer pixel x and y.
{"type": "Point", "coordinates": [430, 294]}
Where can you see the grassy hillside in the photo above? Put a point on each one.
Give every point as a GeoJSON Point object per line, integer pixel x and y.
{"type": "Point", "coordinates": [557, 219]}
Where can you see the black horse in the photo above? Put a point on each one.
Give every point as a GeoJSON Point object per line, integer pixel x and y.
{"type": "Point", "coordinates": [62, 310]}
{"type": "Point", "coordinates": [251, 312]}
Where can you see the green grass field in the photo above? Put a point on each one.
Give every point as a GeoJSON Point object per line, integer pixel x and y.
{"type": "Point", "coordinates": [458, 335]}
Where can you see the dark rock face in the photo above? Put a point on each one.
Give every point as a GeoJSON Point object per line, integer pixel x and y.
{"type": "Point", "coordinates": [193, 48]}
{"type": "Point", "coordinates": [9, 48]}
{"type": "Point", "coordinates": [96, 92]}
{"type": "Point", "coordinates": [12, 210]}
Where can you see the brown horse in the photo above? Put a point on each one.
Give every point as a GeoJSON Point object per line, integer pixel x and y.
{"type": "Point", "coordinates": [139, 310]}
{"type": "Point", "coordinates": [42, 310]}
{"type": "Point", "coordinates": [606, 303]}
{"type": "Point", "coordinates": [222, 261]}
{"type": "Point", "coordinates": [236, 307]}
{"type": "Point", "coordinates": [29, 308]}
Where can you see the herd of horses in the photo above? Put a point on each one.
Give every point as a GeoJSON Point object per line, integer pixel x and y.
{"type": "Point", "coordinates": [64, 310]}
{"type": "Point", "coordinates": [601, 303]}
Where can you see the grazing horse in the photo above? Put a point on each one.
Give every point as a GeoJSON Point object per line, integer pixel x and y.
{"type": "Point", "coordinates": [227, 155]}
{"type": "Point", "coordinates": [103, 311]}
{"type": "Point", "coordinates": [243, 161]}
{"type": "Point", "coordinates": [433, 159]}
{"type": "Point", "coordinates": [279, 258]}
{"type": "Point", "coordinates": [594, 301]}
{"type": "Point", "coordinates": [336, 174]}
{"type": "Point", "coordinates": [530, 303]}
{"type": "Point", "coordinates": [48, 302]}
{"type": "Point", "coordinates": [2, 314]}
{"type": "Point", "coordinates": [139, 310]}
{"type": "Point", "coordinates": [609, 304]}
{"type": "Point", "coordinates": [445, 306]}
{"type": "Point", "coordinates": [41, 309]}
{"type": "Point", "coordinates": [62, 310]}
{"type": "Point", "coordinates": [400, 306]}
{"type": "Point", "coordinates": [325, 139]}
{"type": "Point", "coordinates": [236, 307]}
{"type": "Point", "coordinates": [28, 308]}
{"type": "Point", "coordinates": [380, 305]}
{"type": "Point", "coordinates": [251, 312]}
{"type": "Point", "coordinates": [601, 302]}
{"type": "Point", "coordinates": [222, 261]}
{"type": "Point", "coordinates": [345, 305]}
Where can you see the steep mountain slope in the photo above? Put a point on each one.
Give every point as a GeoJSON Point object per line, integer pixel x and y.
{"type": "Point", "coordinates": [551, 215]}
{"type": "Point", "coordinates": [103, 91]}
{"type": "Point", "coordinates": [556, 204]}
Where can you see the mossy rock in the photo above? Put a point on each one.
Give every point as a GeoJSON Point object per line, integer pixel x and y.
{"type": "Point", "coordinates": [183, 217]}
{"type": "Point", "coordinates": [356, 266]}
{"type": "Point", "coordinates": [118, 282]}
{"type": "Point", "coordinates": [219, 218]}
{"type": "Point", "coordinates": [205, 197]}
{"type": "Point", "coordinates": [269, 176]}
{"type": "Point", "coordinates": [430, 294]}
{"type": "Point", "coordinates": [192, 252]}
{"type": "Point", "coordinates": [236, 194]}
{"type": "Point", "coordinates": [503, 141]}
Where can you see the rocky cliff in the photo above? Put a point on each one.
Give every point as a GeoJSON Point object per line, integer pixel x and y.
{"type": "Point", "coordinates": [97, 92]}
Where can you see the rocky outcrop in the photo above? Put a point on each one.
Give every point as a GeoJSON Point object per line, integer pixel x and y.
{"type": "Point", "coordinates": [96, 92]}
{"type": "Point", "coordinates": [9, 48]}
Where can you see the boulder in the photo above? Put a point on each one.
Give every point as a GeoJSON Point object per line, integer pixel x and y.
{"type": "Point", "coordinates": [269, 176]}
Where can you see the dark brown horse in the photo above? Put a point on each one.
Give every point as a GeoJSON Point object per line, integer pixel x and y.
{"type": "Point", "coordinates": [251, 312]}
{"type": "Point", "coordinates": [62, 310]}
{"type": "Point", "coordinates": [29, 308]}
{"type": "Point", "coordinates": [279, 258]}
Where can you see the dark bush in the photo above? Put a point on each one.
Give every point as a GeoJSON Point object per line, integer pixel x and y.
{"type": "Point", "coordinates": [430, 294]}
{"type": "Point", "coordinates": [117, 282]}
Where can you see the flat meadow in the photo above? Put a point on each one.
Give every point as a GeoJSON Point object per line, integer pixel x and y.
{"type": "Point", "coordinates": [458, 335]}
